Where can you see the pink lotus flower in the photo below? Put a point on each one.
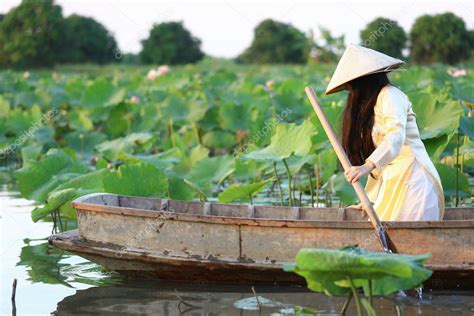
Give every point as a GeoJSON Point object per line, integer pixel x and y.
{"type": "Point", "coordinates": [134, 99]}
{"type": "Point", "coordinates": [152, 74]}
{"type": "Point", "coordinates": [457, 72]}
{"type": "Point", "coordinates": [155, 73]}
{"type": "Point", "coordinates": [240, 133]}
{"type": "Point", "coordinates": [163, 70]}
{"type": "Point", "coordinates": [269, 84]}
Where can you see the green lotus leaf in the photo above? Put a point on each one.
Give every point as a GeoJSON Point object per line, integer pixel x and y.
{"type": "Point", "coordinates": [219, 139]}
{"type": "Point", "coordinates": [288, 139]}
{"type": "Point", "coordinates": [209, 171]}
{"type": "Point", "coordinates": [84, 143]}
{"type": "Point", "coordinates": [234, 116]}
{"type": "Point", "coordinates": [329, 270]}
{"type": "Point", "coordinates": [328, 163]}
{"type": "Point", "coordinates": [466, 125]}
{"type": "Point", "coordinates": [139, 179]}
{"type": "Point", "coordinates": [30, 154]}
{"type": "Point", "coordinates": [436, 114]}
{"type": "Point", "coordinates": [243, 192]}
{"type": "Point", "coordinates": [20, 121]}
{"type": "Point", "coordinates": [102, 92]}
{"type": "Point", "coordinates": [179, 190]}
{"type": "Point", "coordinates": [128, 144]}
{"type": "Point", "coordinates": [80, 121]}
{"type": "Point", "coordinates": [183, 110]}
{"type": "Point", "coordinates": [448, 180]}
{"type": "Point", "coordinates": [343, 189]}
{"type": "Point", "coordinates": [467, 148]}
{"type": "Point", "coordinates": [436, 146]}
{"type": "Point", "coordinates": [462, 90]}
{"type": "Point", "coordinates": [55, 200]}
{"type": "Point", "coordinates": [36, 180]}
{"type": "Point", "coordinates": [189, 159]}
{"type": "Point", "coordinates": [118, 122]}
{"type": "Point", "coordinates": [163, 161]}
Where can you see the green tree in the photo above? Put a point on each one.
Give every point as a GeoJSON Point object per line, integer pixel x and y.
{"type": "Point", "coordinates": [384, 35]}
{"type": "Point", "coordinates": [276, 42]}
{"type": "Point", "coordinates": [327, 49]}
{"type": "Point", "coordinates": [170, 43]}
{"type": "Point", "coordinates": [440, 38]}
{"type": "Point", "coordinates": [30, 34]}
{"type": "Point", "coordinates": [86, 40]}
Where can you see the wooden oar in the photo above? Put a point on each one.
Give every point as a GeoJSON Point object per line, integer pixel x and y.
{"type": "Point", "coordinates": [382, 235]}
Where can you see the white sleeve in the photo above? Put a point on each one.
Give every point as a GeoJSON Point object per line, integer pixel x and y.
{"type": "Point", "coordinates": [394, 109]}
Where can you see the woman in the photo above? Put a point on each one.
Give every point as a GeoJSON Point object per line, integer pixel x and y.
{"type": "Point", "coordinates": [382, 141]}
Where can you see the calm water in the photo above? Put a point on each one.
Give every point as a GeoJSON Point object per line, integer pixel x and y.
{"type": "Point", "coordinates": [54, 282]}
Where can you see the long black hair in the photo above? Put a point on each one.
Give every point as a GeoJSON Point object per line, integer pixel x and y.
{"type": "Point", "coordinates": [358, 116]}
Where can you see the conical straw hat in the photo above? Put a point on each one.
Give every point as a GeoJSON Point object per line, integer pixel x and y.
{"type": "Point", "coordinates": [358, 61]}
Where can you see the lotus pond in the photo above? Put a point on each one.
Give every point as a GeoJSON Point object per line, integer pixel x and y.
{"type": "Point", "coordinates": [214, 131]}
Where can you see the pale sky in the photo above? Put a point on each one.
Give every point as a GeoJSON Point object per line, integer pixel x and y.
{"type": "Point", "coordinates": [225, 27]}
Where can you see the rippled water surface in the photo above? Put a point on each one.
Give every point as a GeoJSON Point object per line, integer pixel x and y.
{"type": "Point", "coordinates": [52, 281]}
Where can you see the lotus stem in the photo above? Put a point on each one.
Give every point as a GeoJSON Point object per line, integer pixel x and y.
{"type": "Point", "coordinates": [370, 293]}
{"type": "Point", "coordinates": [317, 181]}
{"type": "Point", "coordinates": [356, 297]}
{"type": "Point", "coordinates": [289, 182]}
{"type": "Point", "coordinates": [457, 170]}
{"type": "Point", "coordinates": [250, 199]}
{"type": "Point", "coordinates": [346, 304]}
{"type": "Point", "coordinates": [294, 188]}
{"type": "Point", "coordinates": [81, 137]}
{"type": "Point", "coordinates": [171, 133]}
{"type": "Point", "coordinates": [310, 179]}
{"type": "Point", "coordinates": [278, 181]}
{"type": "Point", "coordinates": [197, 133]}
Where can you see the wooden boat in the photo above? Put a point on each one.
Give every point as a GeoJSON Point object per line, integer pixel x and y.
{"type": "Point", "coordinates": [180, 240]}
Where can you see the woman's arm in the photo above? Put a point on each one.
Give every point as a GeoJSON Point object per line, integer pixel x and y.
{"type": "Point", "coordinates": [394, 108]}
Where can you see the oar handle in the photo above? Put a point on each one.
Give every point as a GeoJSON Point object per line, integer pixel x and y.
{"type": "Point", "coordinates": [346, 164]}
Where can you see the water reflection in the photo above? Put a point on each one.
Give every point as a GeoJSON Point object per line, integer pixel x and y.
{"type": "Point", "coordinates": [50, 265]}
{"type": "Point", "coordinates": [145, 297]}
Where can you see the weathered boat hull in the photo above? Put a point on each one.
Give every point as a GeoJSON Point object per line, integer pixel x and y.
{"type": "Point", "coordinates": [179, 240]}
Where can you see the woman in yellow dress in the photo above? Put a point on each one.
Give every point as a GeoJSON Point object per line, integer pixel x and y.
{"type": "Point", "coordinates": [381, 138]}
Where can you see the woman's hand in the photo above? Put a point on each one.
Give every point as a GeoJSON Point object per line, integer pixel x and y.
{"type": "Point", "coordinates": [354, 173]}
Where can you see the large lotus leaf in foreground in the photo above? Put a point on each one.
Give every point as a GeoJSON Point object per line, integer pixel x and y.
{"type": "Point", "coordinates": [62, 196]}
{"type": "Point", "coordinates": [288, 139]}
{"type": "Point", "coordinates": [436, 113]}
{"type": "Point", "coordinates": [141, 179]}
{"type": "Point", "coordinates": [329, 270]}
{"type": "Point", "coordinates": [35, 181]}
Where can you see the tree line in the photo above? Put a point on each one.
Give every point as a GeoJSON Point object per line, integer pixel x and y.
{"type": "Point", "coordinates": [36, 34]}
